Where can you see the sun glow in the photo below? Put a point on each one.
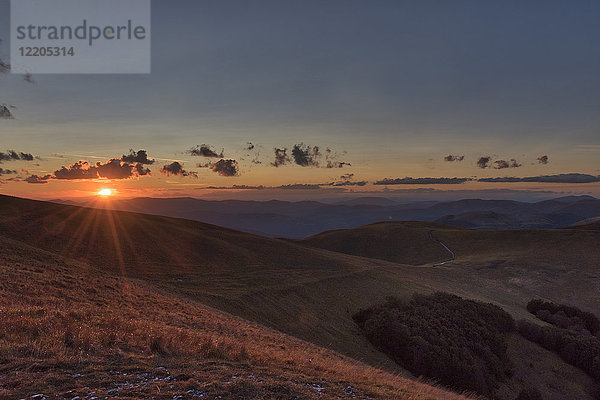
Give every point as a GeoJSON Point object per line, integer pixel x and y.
{"type": "Point", "coordinates": [105, 192]}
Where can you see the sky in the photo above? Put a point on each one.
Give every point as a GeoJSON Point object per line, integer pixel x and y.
{"type": "Point", "coordinates": [377, 91]}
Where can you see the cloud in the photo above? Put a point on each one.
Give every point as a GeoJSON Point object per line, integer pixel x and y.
{"type": "Point", "coordinates": [561, 178]}
{"type": "Point", "coordinates": [7, 172]}
{"type": "Point", "coordinates": [4, 67]}
{"type": "Point", "coordinates": [141, 171]}
{"type": "Point", "coordinates": [238, 187]}
{"type": "Point", "coordinates": [348, 183]}
{"type": "Point", "coordinates": [115, 169]}
{"type": "Point", "coordinates": [223, 167]}
{"type": "Point", "coordinates": [337, 164]}
{"type": "Point", "coordinates": [281, 157]}
{"type": "Point", "coordinates": [12, 155]}
{"type": "Point", "coordinates": [38, 179]}
{"type": "Point", "coordinates": [176, 169]}
{"type": "Point", "coordinates": [422, 181]}
{"type": "Point", "coordinates": [502, 164]}
{"type": "Point", "coordinates": [112, 169]}
{"type": "Point", "coordinates": [5, 112]}
{"type": "Point", "coordinates": [140, 157]}
{"type": "Point", "coordinates": [543, 160]}
{"type": "Point", "coordinates": [484, 162]}
{"type": "Point", "coordinates": [347, 180]}
{"type": "Point", "coordinates": [204, 150]}
{"type": "Point", "coordinates": [331, 159]}
{"type": "Point", "coordinates": [306, 156]}
{"type": "Point", "coordinates": [451, 158]}
{"type": "Point", "coordinates": [79, 170]}
{"type": "Point", "coordinates": [254, 151]}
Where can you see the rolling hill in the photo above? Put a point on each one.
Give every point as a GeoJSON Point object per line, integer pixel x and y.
{"type": "Point", "coordinates": [69, 331]}
{"type": "Point", "coordinates": [309, 289]}
{"type": "Point", "coordinates": [76, 323]}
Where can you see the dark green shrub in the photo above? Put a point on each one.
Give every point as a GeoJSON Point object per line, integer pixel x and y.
{"type": "Point", "coordinates": [563, 316]}
{"type": "Point", "coordinates": [459, 342]}
{"type": "Point", "coordinates": [580, 350]}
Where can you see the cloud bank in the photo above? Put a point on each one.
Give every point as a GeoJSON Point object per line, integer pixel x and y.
{"type": "Point", "coordinates": [561, 178]}
{"type": "Point", "coordinates": [422, 181]}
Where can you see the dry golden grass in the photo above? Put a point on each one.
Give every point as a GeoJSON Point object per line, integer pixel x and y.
{"type": "Point", "coordinates": [306, 292]}
{"type": "Point", "coordinates": [69, 331]}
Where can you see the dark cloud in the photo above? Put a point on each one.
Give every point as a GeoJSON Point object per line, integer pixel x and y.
{"type": "Point", "coordinates": [4, 67]}
{"type": "Point", "coordinates": [176, 169]}
{"type": "Point", "coordinates": [484, 162]}
{"type": "Point", "coordinates": [79, 170]}
{"type": "Point", "coordinates": [348, 183]}
{"type": "Point", "coordinates": [38, 179]}
{"type": "Point", "coordinates": [28, 78]}
{"type": "Point", "coordinates": [5, 112]}
{"type": "Point", "coordinates": [140, 170]}
{"type": "Point", "coordinates": [281, 157]}
{"type": "Point", "coordinates": [7, 172]}
{"type": "Point", "coordinates": [422, 181]}
{"type": "Point", "coordinates": [204, 150]}
{"type": "Point", "coordinates": [140, 157]}
{"type": "Point", "coordinates": [254, 151]}
{"type": "Point", "coordinates": [502, 164]}
{"type": "Point", "coordinates": [347, 180]}
{"type": "Point", "coordinates": [112, 169]}
{"type": "Point", "coordinates": [543, 160]}
{"type": "Point", "coordinates": [12, 155]}
{"type": "Point", "coordinates": [306, 156]}
{"type": "Point", "coordinates": [331, 159]}
{"type": "Point", "coordinates": [561, 178]}
{"type": "Point", "coordinates": [337, 164]}
{"type": "Point", "coordinates": [451, 158]}
{"type": "Point", "coordinates": [115, 169]}
{"type": "Point", "coordinates": [223, 167]}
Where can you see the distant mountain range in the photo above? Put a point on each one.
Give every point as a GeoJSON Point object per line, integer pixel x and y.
{"type": "Point", "coordinates": [305, 218]}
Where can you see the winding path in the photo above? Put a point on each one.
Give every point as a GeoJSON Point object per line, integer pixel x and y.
{"type": "Point", "coordinates": [445, 247]}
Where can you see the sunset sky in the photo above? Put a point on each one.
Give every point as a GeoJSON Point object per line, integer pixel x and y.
{"type": "Point", "coordinates": [384, 89]}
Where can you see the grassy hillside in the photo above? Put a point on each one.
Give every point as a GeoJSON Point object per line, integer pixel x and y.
{"type": "Point", "coordinates": [70, 330]}
{"type": "Point", "coordinates": [400, 242]}
{"type": "Point", "coordinates": [504, 265]}
{"type": "Point", "coordinates": [310, 292]}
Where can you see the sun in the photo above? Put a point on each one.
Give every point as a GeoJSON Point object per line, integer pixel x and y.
{"type": "Point", "coordinates": [105, 192]}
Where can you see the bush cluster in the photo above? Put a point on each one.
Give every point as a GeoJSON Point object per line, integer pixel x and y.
{"type": "Point", "coordinates": [564, 316]}
{"type": "Point", "coordinates": [460, 343]}
{"type": "Point", "coordinates": [580, 350]}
